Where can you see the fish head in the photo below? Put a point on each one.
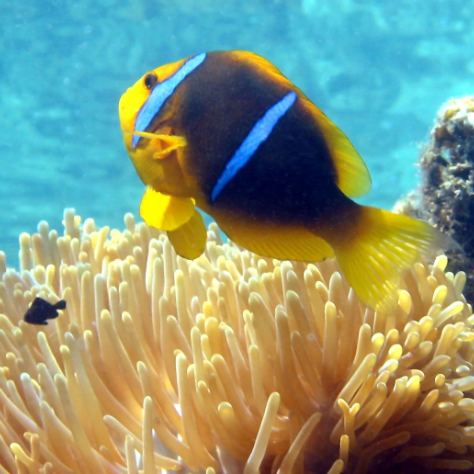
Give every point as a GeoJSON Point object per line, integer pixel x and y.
{"type": "Point", "coordinates": [147, 113]}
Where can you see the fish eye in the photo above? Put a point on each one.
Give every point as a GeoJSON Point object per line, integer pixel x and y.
{"type": "Point", "coordinates": [150, 80]}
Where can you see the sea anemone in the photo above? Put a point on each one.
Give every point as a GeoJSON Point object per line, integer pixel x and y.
{"type": "Point", "coordinates": [229, 363]}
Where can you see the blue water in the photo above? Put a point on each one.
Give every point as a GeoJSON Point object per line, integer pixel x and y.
{"type": "Point", "coordinates": [380, 70]}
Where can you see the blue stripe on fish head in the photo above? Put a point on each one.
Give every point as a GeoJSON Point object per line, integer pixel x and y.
{"type": "Point", "coordinates": [161, 92]}
{"type": "Point", "coordinates": [259, 133]}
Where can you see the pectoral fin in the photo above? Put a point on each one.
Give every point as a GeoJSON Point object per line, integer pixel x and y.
{"type": "Point", "coordinates": [165, 143]}
{"type": "Point", "coordinates": [165, 212]}
{"type": "Point", "coordinates": [189, 240]}
{"type": "Point", "coordinates": [171, 143]}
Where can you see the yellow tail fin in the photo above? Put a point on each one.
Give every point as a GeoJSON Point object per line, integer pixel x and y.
{"type": "Point", "coordinates": [380, 248]}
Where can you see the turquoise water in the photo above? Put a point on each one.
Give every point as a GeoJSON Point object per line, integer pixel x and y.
{"type": "Point", "coordinates": [380, 70]}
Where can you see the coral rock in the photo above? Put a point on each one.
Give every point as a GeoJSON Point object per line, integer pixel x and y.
{"type": "Point", "coordinates": [446, 196]}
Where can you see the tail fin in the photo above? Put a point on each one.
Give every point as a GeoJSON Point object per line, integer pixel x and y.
{"type": "Point", "coordinates": [382, 245]}
{"type": "Point", "coordinates": [61, 304]}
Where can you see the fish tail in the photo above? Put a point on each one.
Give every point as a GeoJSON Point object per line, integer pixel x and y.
{"type": "Point", "coordinates": [381, 245]}
{"type": "Point", "coordinates": [61, 304]}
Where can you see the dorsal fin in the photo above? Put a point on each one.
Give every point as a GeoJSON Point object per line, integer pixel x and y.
{"type": "Point", "coordinates": [353, 177]}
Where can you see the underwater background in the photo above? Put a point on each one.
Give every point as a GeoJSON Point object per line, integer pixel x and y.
{"type": "Point", "coordinates": [379, 70]}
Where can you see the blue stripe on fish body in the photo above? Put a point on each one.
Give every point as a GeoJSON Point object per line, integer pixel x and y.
{"type": "Point", "coordinates": [161, 92]}
{"type": "Point", "coordinates": [259, 133]}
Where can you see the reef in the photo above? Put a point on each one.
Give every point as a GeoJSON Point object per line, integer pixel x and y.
{"type": "Point", "coordinates": [229, 363]}
{"type": "Point", "coordinates": [445, 196]}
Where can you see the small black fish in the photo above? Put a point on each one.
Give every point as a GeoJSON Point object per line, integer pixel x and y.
{"type": "Point", "coordinates": [41, 310]}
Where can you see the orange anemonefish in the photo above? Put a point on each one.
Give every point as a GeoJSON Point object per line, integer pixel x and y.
{"type": "Point", "coordinates": [227, 132]}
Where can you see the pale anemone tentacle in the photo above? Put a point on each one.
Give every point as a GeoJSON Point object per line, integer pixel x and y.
{"type": "Point", "coordinates": [229, 363]}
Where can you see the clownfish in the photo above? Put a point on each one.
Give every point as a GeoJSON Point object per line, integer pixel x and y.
{"type": "Point", "coordinates": [228, 133]}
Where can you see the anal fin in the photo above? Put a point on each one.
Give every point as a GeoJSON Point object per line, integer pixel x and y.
{"type": "Point", "coordinates": [274, 241]}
